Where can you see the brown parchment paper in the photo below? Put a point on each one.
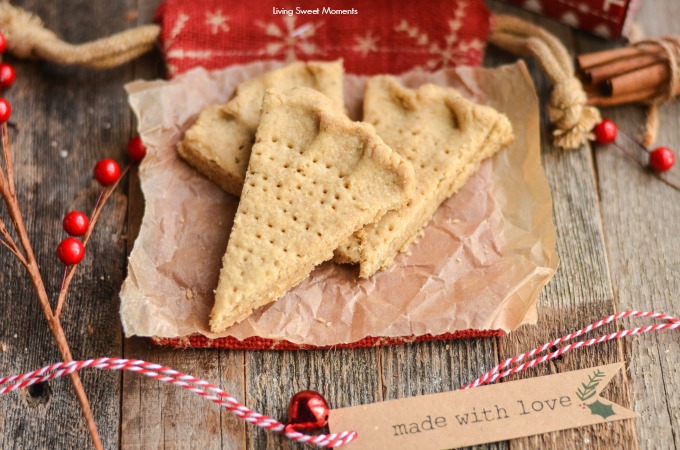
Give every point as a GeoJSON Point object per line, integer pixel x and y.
{"type": "Point", "coordinates": [481, 263]}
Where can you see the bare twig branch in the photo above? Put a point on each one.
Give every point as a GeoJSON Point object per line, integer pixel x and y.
{"type": "Point", "coordinates": [16, 253]}
{"type": "Point", "coordinates": [9, 241]}
{"type": "Point", "coordinates": [3, 185]}
{"type": "Point", "coordinates": [10, 244]}
{"type": "Point", "coordinates": [8, 159]}
{"type": "Point", "coordinates": [5, 244]}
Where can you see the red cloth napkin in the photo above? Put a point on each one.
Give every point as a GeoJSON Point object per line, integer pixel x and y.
{"type": "Point", "coordinates": [377, 36]}
{"type": "Point", "coordinates": [609, 19]}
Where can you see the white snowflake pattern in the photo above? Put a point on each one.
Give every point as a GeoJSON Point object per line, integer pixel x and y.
{"type": "Point", "coordinates": [534, 5]}
{"type": "Point", "coordinates": [366, 44]}
{"type": "Point", "coordinates": [455, 50]}
{"type": "Point", "coordinates": [177, 28]}
{"type": "Point", "coordinates": [216, 21]}
{"type": "Point", "coordinates": [608, 3]}
{"type": "Point", "coordinates": [291, 39]}
{"type": "Point", "coordinates": [570, 19]}
{"type": "Point", "coordinates": [602, 30]}
{"type": "Point", "coordinates": [584, 8]}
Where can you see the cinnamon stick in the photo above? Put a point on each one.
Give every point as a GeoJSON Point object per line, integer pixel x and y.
{"type": "Point", "coordinates": [589, 60]}
{"type": "Point", "coordinates": [635, 97]}
{"type": "Point", "coordinates": [591, 90]}
{"type": "Point", "coordinates": [601, 73]}
{"type": "Point", "coordinates": [634, 74]}
{"type": "Point", "coordinates": [645, 96]}
{"type": "Point", "coordinates": [645, 78]}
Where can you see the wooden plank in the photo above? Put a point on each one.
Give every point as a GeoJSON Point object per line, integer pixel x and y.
{"type": "Point", "coordinates": [68, 118]}
{"type": "Point", "coordinates": [432, 367]}
{"type": "Point", "coordinates": [155, 415]}
{"type": "Point", "coordinates": [344, 377]}
{"type": "Point", "coordinates": [640, 216]}
{"type": "Point", "coordinates": [581, 291]}
{"type": "Point", "coordinates": [581, 295]}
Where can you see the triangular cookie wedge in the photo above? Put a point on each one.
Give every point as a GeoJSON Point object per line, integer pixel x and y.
{"type": "Point", "coordinates": [314, 178]}
{"type": "Point", "coordinates": [445, 137]}
{"type": "Point", "coordinates": [218, 145]}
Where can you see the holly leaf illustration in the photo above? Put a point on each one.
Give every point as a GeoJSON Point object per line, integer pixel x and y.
{"type": "Point", "coordinates": [600, 409]}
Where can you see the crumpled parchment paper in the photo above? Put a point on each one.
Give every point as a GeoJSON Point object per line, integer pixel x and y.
{"type": "Point", "coordinates": [481, 263]}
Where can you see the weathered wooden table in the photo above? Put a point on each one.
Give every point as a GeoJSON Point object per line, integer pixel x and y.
{"type": "Point", "coordinates": [617, 230]}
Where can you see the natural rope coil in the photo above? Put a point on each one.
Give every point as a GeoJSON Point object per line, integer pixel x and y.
{"type": "Point", "coordinates": [567, 109]}
{"type": "Point", "coordinates": [671, 47]}
{"type": "Point", "coordinates": [28, 38]}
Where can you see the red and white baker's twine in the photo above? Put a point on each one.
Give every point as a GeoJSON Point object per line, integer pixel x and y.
{"type": "Point", "coordinates": [494, 375]}
{"type": "Point", "coordinates": [214, 394]}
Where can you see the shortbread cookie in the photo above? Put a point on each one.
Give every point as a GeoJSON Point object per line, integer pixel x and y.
{"type": "Point", "coordinates": [314, 178]}
{"type": "Point", "coordinates": [218, 145]}
{"type": "Point", "coordinates": [445, 137]}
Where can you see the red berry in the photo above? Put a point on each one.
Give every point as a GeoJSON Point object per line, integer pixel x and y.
{"type": "Point", "coordinates": [7, 75]}
{"type": "Point", "coordinates": [5, 110]}
{"type": "Point", "coordinates": [661, 159]}
{"type": "Point", "coordinates": [136, 149]}
{"type": "Point", "coordinates": [76, 223]}
{"type": "Point", "coordinates": [605, 132]}
{"type": "Point", "coordinates": [3, 43]}
{"type": "Point", "coordinates": [70, 251]}
{"type": "Point", "coordinates": [107, 171]}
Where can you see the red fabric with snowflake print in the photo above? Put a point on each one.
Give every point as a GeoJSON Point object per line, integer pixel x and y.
{"type": "Point", "coordinates": [610, 19]}
{"type": "Point", "coordinates": [380, 36]}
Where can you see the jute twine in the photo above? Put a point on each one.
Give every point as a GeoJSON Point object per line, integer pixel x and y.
{"type": "Point", "coordinates": [573, 120]}
{"type": "Point", "coordinates": [671, 47]}
{"type": "Point", "coordinates": [567, 109]}
{"type": "Point", "coordinates": [28, 38]}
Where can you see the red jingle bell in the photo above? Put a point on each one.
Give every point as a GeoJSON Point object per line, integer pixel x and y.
{"type": "Point", "coordinates": [308, 410]}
